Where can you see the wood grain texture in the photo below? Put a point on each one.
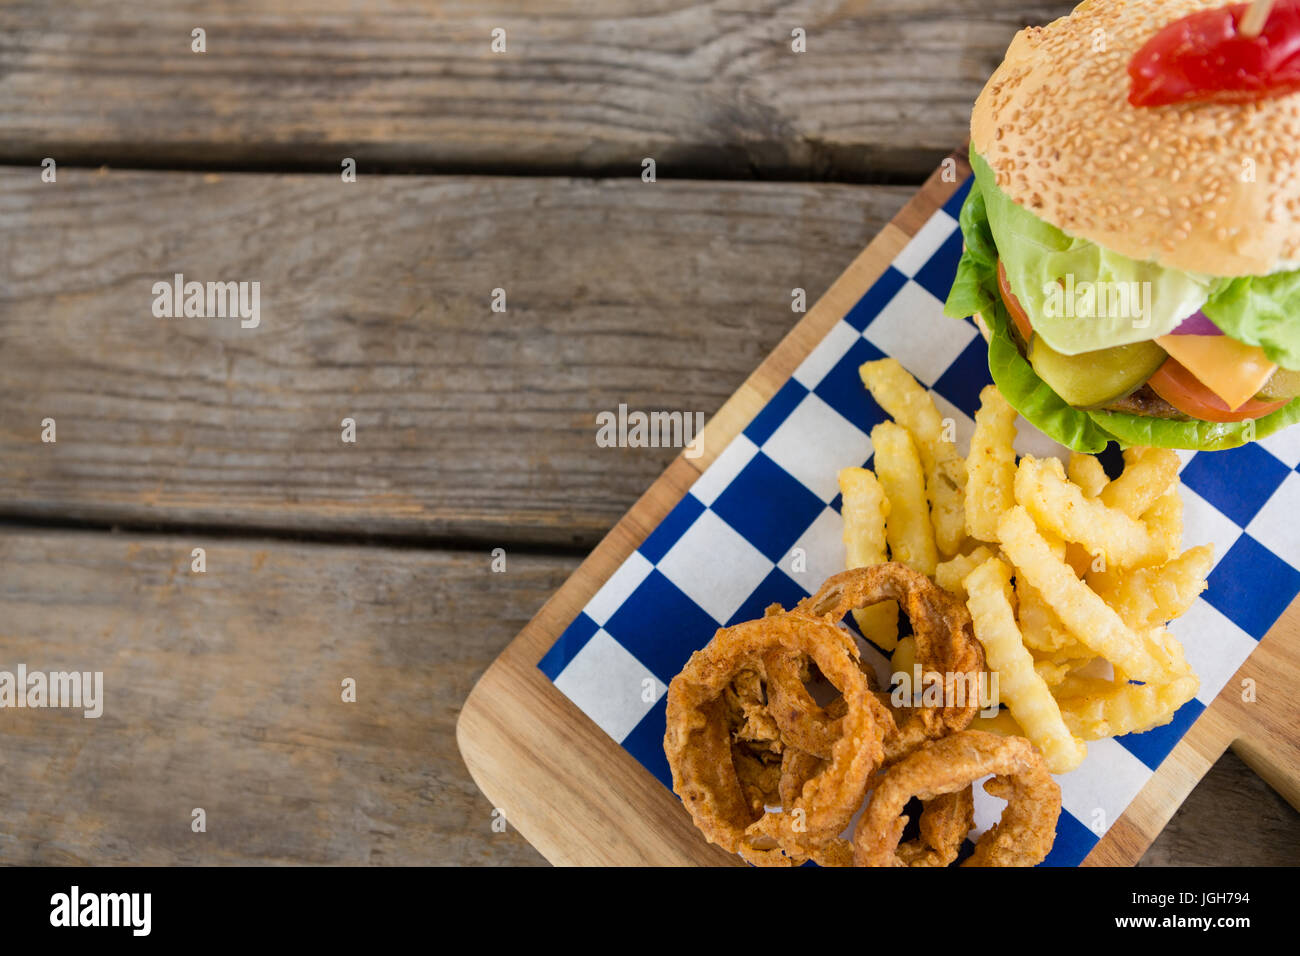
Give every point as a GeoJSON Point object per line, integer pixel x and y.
{"type": "Point", "coordinates": [714, 88]}
{"type": "Point", "coordinates": [1232, 817]}
{"type": "Point", "coordinates": [222, 691]}
{"type": "Point", "coordinates": [516, 719]}
{"type": "Point", "coordinates": [375, 305]}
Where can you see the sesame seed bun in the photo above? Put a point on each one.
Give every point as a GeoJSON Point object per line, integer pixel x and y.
{"type": "Point", "coordinates": [1211, 188]}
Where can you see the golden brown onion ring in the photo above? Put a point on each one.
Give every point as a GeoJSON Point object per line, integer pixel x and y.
{"type": "Point", "coordinates": [1024, 835]}
{"type": "Point", "coordinates": [945, 821]}
{"type": "Point", "coordinates": [698, 741]}
{"type": "Point", "coordinates": [797, 768]}
{"type": "Point", "coordinates": [945, 644]}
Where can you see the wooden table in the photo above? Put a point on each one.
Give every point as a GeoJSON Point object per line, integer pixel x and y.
{"type": "Point", "coordinates": [475, 429]}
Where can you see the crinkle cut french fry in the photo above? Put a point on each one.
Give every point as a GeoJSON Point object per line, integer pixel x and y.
{"type": "Point", "coordinates": [1086, 472]}
{"type": "Point", "coordinates": [1074, 654]}
{"type": "Point", "coordinates": [1019, 684]}
{"type": "Point", "coordinates": [947, 484]}
{"type": "Point", "coordinates": [1039, 624]}
{"type": "Point", "coordinates": [949, 574]}
{"type": "Point", "coordinates": [991, 465]}
{"type": "Point", "coordinates": [1060, 506]}
{"type": "Point", "coordinates": [865, 510]}
{"type": "Point", "coordinates": [1148, 474]}
{"type": "Point", "coordinates": [904, 656]}
{"type": "Point", "coordinates": [1079, 560]}
{"type": "Point", "coordinates": [1085, 615]}
{"type": "Point", "coordinates": [1123, 708]}
{"type": "Point", "coordinates": [1052, 674]}
{"type": "Point", "coordinates": [911, 406]}
{"type": "Point", "coordinates": [1002, 723]}
{"type": "Point", "coordinates": [1164, 520]}
{"type": "Point", "coordinates": [907, 528]}
{"type": "Point", "coordinates": [1080, 685]}
{"type": "Point", "coordinates": [1145, 597]}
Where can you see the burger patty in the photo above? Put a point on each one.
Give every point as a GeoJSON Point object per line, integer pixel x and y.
{"type": "Point", "coordinates": [1145, 402]}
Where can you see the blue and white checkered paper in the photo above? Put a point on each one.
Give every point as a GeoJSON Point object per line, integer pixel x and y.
{"type": "Point", "coordinates": [730, 547]}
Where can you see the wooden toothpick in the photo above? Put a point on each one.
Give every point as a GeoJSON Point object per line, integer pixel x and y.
{"type": "Point", "coordinates": [1253, 22]}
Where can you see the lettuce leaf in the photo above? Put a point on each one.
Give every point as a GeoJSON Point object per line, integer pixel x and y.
{"type": "Point", "coordinates": [979, 260]}
{"type": "Point", "coordinates": [1263, 311]}
{"type": "Point", "coordinates": [1038, 256]}
{"type": "Point", "coordinates": [975, 290]}
{"type": "Point", "coordinates": [1202, 436]}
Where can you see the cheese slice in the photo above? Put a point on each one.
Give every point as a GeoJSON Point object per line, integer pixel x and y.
{"type": "Point", "coordinates": [1230, 369]}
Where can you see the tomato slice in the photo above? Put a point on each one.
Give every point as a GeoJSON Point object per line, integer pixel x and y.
{"type": "Point", "coordinates": [1204, 58]}
{"type": "Point", "coordinates": [1009, 299]}
{"type": "Point", "coordinates": [1187, 393]}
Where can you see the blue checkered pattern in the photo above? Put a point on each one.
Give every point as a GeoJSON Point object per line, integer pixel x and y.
{"type": "Point", "coordinates": [762, 525]}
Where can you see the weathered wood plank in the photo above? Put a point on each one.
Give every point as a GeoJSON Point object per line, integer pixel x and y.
{"type": "Point", "coordinates": [222, 691]}
{"type": "Point", "coordinates": [885, 86]}
{"type": "Point", "coordinates": [376, 305]}
{"type": "Point", "coordinates": [1231, 818]}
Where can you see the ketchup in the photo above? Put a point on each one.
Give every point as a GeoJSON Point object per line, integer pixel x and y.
{"type": "Point", "coordinates": [1202, 58]}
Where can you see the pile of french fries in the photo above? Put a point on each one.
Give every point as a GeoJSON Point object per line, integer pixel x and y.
{"type": "Point", "coordinates": [1070, 578]}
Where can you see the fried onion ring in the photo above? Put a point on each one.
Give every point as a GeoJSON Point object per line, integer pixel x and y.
{"type": "Point", "coordinates": [945, 821]}
{"type": "Point", "coordinates": [945, 644]}
{"type": "Point", "coordinates": [801, 722]}
{"type": "Point", "coordinates": [698, 742]}
{"type": "Point", "coordinates": [797, 768]}
{"type": "Point", "coordinates": [759, 773]}
{"type": "Point", "coordinates": [749, 715]}
{"type": "Point", "coordinates": [1024, 835]}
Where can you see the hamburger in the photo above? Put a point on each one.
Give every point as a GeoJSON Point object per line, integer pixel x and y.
{"type": "Point", "coordinates": [1132, 234]}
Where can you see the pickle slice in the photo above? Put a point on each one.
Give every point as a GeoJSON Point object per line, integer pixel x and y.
{"type": "Point", "coordinates": [1284, 383]}
{"type": "Point", "coordinates": [1095, 379]}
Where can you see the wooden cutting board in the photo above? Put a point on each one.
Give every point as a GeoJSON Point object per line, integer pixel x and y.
{"type": "Point", "coordinates": [581, 799]}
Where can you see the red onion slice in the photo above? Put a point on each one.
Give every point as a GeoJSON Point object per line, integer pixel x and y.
{"type": "Point", "coordinates": [1197, 324]}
